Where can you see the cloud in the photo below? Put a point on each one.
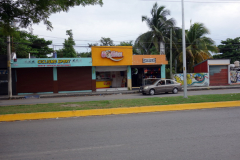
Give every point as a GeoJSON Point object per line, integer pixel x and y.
{"type": "Point", "coordinates": [121, 20]}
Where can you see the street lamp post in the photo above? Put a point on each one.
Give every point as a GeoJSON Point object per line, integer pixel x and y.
{"type": "Point", "coordinates": [184, 52]}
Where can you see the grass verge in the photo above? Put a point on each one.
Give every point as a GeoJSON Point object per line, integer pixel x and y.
{"type": "Point", "coordinates": [69, 106]}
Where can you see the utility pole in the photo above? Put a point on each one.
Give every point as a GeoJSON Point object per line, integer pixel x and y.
{"type": "Point", "coordinates": [184, 53]}
{"type": "Point", "coordinates": [171, 53]}
{"type": "Point", "coordinates": [9, 68]}
{"type": "Point", "coordinates": [175, 65]}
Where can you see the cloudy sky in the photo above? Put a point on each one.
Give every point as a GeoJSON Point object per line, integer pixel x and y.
{"type": "Point", "coordinates": [120, 20]}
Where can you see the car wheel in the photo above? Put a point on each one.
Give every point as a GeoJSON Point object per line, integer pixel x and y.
{"type": "Point", "coordinates": [175, 90]}
{"type": "Point", "coordinates": [144, 93]}
{"type": "Point", "coordinates": [152, 92]}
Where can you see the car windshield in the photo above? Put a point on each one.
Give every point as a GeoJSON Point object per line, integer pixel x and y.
{"type": "Point", "coordinates": [150, 81]}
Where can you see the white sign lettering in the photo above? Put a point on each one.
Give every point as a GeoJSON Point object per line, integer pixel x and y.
{"type": "Point", "coordinates": [112, 54]}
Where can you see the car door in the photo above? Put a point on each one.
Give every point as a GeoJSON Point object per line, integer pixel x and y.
{"type": "Point", "coordinates": [160, 87]}
{"type": "Point", "coordinates": [169, 85]}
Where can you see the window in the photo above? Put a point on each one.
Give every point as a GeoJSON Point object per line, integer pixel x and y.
{"type": "Point", "coordinates": [169, 82]}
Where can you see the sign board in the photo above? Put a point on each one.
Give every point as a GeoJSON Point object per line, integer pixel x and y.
{"type": "Point", "coordinates": [112, 55]}
{"type": "Point", "coordinates": [149, 60]}
{"type": "Point", "coordinates": [51, 62]}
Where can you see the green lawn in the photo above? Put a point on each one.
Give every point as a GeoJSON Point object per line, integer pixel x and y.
{"type": "Point", "coordinates": [69, 106]}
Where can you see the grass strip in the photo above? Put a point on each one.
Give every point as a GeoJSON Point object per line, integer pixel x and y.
{"type": "Point", "coordinates": [69, 106]}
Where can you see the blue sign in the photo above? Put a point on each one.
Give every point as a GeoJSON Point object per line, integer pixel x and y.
{"type": "Point", "coordinates": [51, 62]}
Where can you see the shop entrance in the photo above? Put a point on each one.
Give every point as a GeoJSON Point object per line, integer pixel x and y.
{"type": "Point", "coordinates": [112, 80]}
{"type": "Point", "coordinates": [140, 73]}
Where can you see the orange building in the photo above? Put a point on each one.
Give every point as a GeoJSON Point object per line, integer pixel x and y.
{"type": "Point", "coordinates": [116, 68]}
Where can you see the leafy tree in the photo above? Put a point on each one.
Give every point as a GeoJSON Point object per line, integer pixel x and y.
{"type": "Point", "coordinates": [68, 50]}
{"type": "Point", "coordinates": [106, 42]}
{"type": "Point", "coordinates": [28, 12]}
{"type": "Point", "coordinates": [21, 44]}
{"type": "Point", "coordinates": [230, 49]}
{"type": "Point", "coordinates": [92, 44]}
{"type": "Point", "coordinates": [154, 51]}
{"type": "Point", "coordinates": [198, 47]}
{"type": "Point", "coordinates": [143, 43]}
{"type": "Point", "coordinates": [159, 25]}
{"type": "Point", "coordinates": [3, 44]}
{"type": "Point", "coordinates": [130, 43]}
{"type": "Point", "coordinates": [84, 54]}
{"type": "Point", "coordinates": [39, 46]}
{"type": "Point", "coordinates": [24, 43]}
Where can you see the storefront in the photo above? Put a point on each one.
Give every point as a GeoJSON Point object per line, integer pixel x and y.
{"type": "Point", "coordinates": [147, 66]}
{"type": "Point", "coordinates": [112, 67]}
{"type": "Point", "coordinates": [53, 75]}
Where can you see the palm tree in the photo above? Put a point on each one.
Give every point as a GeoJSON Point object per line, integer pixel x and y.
{"type": "Point", "coordinates": [143, 43]}
{"type": "Point", "coordinates": [198, 47]}
{"type": "Point", "coordinates": [159, 26]}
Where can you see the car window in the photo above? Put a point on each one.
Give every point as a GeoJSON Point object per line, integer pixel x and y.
{"type": "Point", "coordinates": [162, 82]}
{"type": "Point", "coordinates": [169, 82]}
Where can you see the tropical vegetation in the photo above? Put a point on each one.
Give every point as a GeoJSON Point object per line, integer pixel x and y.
{"type": "Point", "coordinates": [198, 47]}
{"type": "Point", "coordinates": [68, 49]}
{"type": "Point", "coordinates": [25, 43]}
{"type": "Point", "coordinates": [106, 42]}
{"type": "Point", "coordinates": [157, 39]}
{"type": "Point", "coordinates": [159, 27]}
{"type": "Point", "coordinates": [29, 12]}
{"type": "Point", "coordinates": [229, 49]}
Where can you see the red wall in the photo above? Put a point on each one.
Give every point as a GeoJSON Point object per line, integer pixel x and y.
{"type": "Point", "coordinates": [32, 80]}
{"type": "Point", "coordinates": [201, 68]}
{"type": "Point", "coordinates": [74, 78]}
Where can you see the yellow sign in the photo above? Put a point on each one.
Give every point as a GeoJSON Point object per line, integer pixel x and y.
{"type": "Point", "coordinates": [111, 55]}
{"type": "Point", "coordinates": [53, 61]}
{"type": "Point", "coordinates": [103, 84]}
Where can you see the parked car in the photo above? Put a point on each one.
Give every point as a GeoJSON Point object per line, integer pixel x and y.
{"type": "Point", "coordinates": [154, 86]}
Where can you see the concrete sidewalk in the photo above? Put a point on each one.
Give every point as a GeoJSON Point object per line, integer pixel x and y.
{"type": "Point", "coordinates": [5, 97]}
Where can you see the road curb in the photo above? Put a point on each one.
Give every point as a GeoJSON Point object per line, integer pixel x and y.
{"type": "Point", "coordinates": [115, 111]}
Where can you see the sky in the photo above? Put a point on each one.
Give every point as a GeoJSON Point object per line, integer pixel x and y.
{"type": "Point", "coordinates": [121, 20]}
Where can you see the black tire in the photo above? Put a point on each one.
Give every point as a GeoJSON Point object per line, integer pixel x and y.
{"type": "Point", "coordinates": [175, 91]}
{"type": "Point", "coordinates": [144, 93]}
{"type": "Point", "coordinates": [152, 92]}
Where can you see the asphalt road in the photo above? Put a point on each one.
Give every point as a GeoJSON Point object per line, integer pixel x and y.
{"type": "Point", "coordinates": [109, 97]}
{"type": "Point", "coordinates": [211, 134]}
